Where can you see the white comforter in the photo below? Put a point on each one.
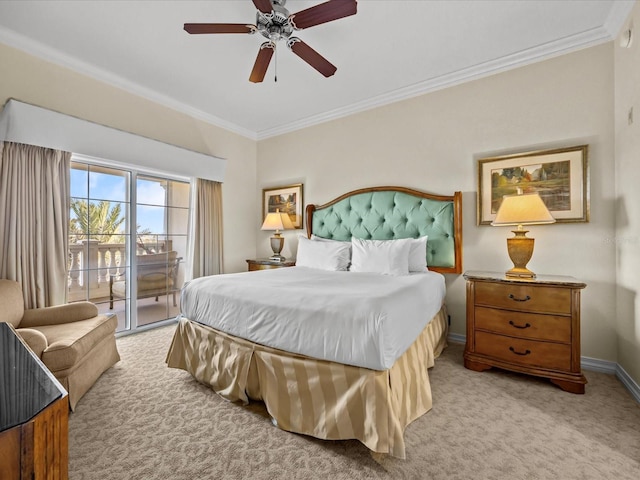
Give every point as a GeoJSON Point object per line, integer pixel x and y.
{"type": "Point", "coordinates": [362, 319]}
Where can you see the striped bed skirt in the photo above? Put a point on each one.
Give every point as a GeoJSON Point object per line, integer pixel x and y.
{"type": "Point", "coordinates": [323, 399]}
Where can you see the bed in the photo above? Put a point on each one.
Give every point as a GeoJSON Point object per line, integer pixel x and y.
{"type": "Point", "coordinates": [333, 354]}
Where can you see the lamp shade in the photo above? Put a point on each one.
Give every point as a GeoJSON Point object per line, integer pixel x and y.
{"type": "Point", "coordinates": [277, 221]}
{"type": "Point", "coordinates": [522, 209]}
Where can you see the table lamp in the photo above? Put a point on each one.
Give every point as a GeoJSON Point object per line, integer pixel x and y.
{"type": "Point", "coordinates": [521, 209]}
{"type": "Point", "coordinates": [277, 221]}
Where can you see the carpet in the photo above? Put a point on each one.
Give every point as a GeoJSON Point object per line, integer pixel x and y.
{"type": "Point", "coordinates": [142, 420]}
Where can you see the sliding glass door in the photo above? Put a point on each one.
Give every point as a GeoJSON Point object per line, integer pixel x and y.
{"type": "Point", "coordinates": [134, 272]}
{"type": "Point", "coordinates": [162, 215]}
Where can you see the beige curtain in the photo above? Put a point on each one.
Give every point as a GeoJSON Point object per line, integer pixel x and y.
{"type": "Point", "coordinates": [34, 214]}
{"type": "Point", "coordinates": [206, 229]}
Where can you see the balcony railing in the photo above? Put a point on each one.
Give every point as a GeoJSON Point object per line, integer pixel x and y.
{"type": "Point", "coordinates": [91, 263]}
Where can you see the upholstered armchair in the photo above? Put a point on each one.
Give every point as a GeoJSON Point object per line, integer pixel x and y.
{"type": "Point", "coordinates": [75, 343]}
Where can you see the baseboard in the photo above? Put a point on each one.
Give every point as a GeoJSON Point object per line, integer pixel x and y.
{"type": "Point", "coordinates": [597, 365]}
{"type": "Point", "coordinates": [628, 382]}
{"type": "Point", "coordinates": [587, 363]}
{"type": "Point", "coordinates": [456, 338]}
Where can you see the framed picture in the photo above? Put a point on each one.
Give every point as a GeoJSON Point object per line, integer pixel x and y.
{"type": "Point", "coordinates": [560, 177]}
{"type": "Point", "coordinates": [285, 199]}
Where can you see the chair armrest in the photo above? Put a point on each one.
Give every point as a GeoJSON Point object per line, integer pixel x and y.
{"type": "Point", "coordinates": [71, 312]}
{"type": "Point", "coordinates": [35, 339]}
{"type": "Point", "coordinates": [175, 267]}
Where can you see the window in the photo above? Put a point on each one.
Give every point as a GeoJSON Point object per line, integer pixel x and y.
{"type": "Point", "coordinates": [138, 272]}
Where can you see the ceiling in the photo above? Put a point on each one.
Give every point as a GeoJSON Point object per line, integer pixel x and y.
{"type": "Point", "coordinates": [389, 50]}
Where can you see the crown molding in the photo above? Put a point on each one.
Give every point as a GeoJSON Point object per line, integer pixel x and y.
{"type": "Point", "coordinates": [546, 51]}
{"type": "Point", "coordinates": [44, 52]}
{"type": "Point", "coordinates": [618, 15]}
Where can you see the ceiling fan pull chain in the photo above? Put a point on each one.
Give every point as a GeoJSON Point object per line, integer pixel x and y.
{"type": "Point", "coordinates": [275, 76]}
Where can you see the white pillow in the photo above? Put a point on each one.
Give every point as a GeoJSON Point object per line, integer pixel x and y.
{"type": "Point", "coordinates": [316, 238]}
{"type": "Point", "coordinates": [389, 257]}
{"type": "Point", "coordinates": [323, 255]}
{"type": "Point", "coordinates": [418, 255]}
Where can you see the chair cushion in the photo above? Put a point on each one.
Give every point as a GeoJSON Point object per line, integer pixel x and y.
{"type": "Point", "coordinates": [155, 282]}
{"type": "Point", "coordinates": [69, 343]}
{"type": "Point", "coordinates": [11, 302]}
{"type": "Point", "coordinates": [160, 283]}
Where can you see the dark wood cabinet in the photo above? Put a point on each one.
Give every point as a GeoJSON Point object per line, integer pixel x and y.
{"type": "Point", "coordinates": [34, 412]}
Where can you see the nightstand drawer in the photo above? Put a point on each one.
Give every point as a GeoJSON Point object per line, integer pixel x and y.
{"type": "Point", "coordinates": [523, 297]}
{"type": "Point", "coordinates": [257, 266]}
{"type": "Point", "coordinates": [524, 325]}
{"type": "Point", "coordinates": [554, 356]}
{"type": "Point", "coordinates": [268, 264]}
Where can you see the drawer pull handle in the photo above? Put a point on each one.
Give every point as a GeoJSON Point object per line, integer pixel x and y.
{"type": "Point", "coordinates": [526, 325]}
{"type": "Point", "coordinates": [512, 297]}
{"type": "Point", "coordinates": [526, 352]}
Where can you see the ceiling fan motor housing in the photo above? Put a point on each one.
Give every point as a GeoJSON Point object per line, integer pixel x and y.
{"type": "Point", "coordinates": [276, 25]}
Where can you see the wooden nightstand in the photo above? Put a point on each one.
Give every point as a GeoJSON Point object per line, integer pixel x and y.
{"type": "Point", "coordinates": [525, 325]}
{"type": "Point", "coordinates": [266, 264]}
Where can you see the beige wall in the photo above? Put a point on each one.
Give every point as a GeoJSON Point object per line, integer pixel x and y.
{"type": "Point", "coordinates": [627, 236]}
{"type": "Point", "coordinates": [432, 143]}
{"type": "Point", "coordinates": [31, 80]}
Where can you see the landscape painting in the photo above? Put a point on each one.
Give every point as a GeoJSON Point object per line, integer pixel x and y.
{"type": "Point", "coordinates": [560, 177]}
{"type": "Point", "coordinates": [549, 180]}
{"type": "Point", "coordinates": [286, 200]}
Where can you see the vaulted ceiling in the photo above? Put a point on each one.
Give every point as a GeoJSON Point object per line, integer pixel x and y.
{"type": "Point", "coordinates": [389, 50]}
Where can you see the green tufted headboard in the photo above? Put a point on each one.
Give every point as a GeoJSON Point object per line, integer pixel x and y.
{"type": "Point", "coordinates": [386, 213]}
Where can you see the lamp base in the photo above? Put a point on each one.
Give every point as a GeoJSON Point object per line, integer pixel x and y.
{"type": "Point", "coordinates": [520, 250]}
{"type": "Point", "coordinates": [520, 273]}
{"type": "Point", "coordinates": [277, 242]}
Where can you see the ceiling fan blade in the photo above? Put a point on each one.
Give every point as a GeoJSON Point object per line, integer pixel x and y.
{"type": "Point", "coordinates": [195, 28]}
{"type": "Point", "coordinates": [263, 5]}
{"type": "Point", "coordinates": [323, 13]}
{"type": "Point", "coordinates": [313, 58]}
{"type": "Point", "coordinates": [262, 62]}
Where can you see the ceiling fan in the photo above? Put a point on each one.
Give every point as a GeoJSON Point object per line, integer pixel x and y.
{"type": "Point", "coordinates": [275, 23]}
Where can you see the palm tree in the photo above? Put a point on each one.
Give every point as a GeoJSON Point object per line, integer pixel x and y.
{"type": "Point", "coordinates": [96, 221]}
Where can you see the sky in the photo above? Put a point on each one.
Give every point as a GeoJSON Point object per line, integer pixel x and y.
{"type": "Point", "coordinates": [113, 187]}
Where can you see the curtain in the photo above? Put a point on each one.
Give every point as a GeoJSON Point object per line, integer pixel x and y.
{"type": "Point", "coordinates": [34, 214]}
{"type": "Point", "coordinates": [206, 229]}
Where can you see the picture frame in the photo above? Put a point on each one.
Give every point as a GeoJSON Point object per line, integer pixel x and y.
{"type": "Point", "coordinates": [560, 176]}
{"type": "Point", "coordinates": [287, 199]}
